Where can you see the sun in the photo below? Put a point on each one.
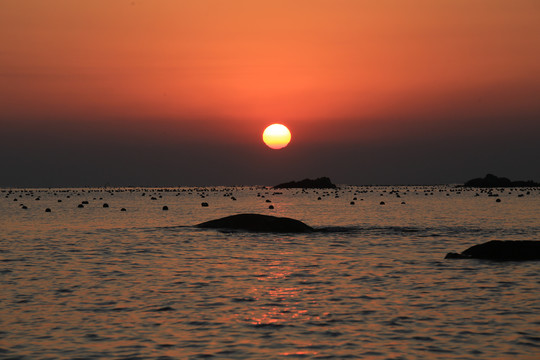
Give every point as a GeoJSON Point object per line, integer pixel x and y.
{"type": "Point", "coordinates": [276, 136]}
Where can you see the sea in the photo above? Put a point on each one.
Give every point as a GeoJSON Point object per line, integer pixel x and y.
{"type": "Point", "coordinates": [88, 280]}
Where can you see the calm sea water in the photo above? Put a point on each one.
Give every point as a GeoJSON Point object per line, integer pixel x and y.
{"type": "Point", "coordinates": [95, 282]}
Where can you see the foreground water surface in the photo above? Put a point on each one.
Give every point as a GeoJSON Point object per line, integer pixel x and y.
{"type": "Point", "coordinates": [96, 282]}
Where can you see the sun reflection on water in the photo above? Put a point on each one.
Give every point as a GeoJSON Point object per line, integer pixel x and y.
{"type": "Point", "coordinates": [276, 302]}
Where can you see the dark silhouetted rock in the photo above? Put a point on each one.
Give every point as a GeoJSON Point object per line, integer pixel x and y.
{"type": "Point", "coordinates": [105, 205]}
{"type": "Point", "coordinates": [204, 204]}
{"type": "Point", "coordinates": [501, 250]}
{"type": "Point", "coordinates": [271, 207]}
{"type": "Point", "coordinates": [47, 210]}
{"type": "Point", "coordinates": [490, 181]}
{"type": "Point", "coordinates": [165, 207]}
{"type": "Point", "coordinates": [258, 223]}
{"type": "Point", "coordinates": [123, 209]}
{"type": "Point", "coordinates": [320, 183]}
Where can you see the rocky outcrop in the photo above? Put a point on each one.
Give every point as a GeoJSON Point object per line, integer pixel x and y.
{"type": "Point", "coordinates": [501, 250]}
{"type": "Point", "coordinates": [257, 223]}
{"type": "Point", "coordinates": [320, 183]}
{"type": "Point", "coordinates": [490, 181]}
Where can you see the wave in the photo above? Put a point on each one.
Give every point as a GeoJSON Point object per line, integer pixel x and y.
{"type": "Point", "coordinates": [446, 231]}
{"type": "Point", "coordinates": [530, 233]}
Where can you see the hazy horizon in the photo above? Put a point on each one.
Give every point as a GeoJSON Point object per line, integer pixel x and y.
{"type": "Point", "coordinates": [211, 185]}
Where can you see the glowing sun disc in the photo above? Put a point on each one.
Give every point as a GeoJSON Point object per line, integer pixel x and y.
{"type": "Point", "coordinates": [276, 136]}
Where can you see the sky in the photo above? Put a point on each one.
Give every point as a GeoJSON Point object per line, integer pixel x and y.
{"type": "Point", "coordinates": [178, 93]}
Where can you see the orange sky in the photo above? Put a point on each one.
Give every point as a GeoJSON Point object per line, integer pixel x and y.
{"type": "Point", "coordinates": [334, 71]}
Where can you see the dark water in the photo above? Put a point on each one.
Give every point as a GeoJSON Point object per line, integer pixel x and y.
{"type": "Point", "coordinates": [95, 282]}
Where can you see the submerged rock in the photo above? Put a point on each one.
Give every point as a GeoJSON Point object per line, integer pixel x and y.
{"type": "Point", "coordinates": [320, 183]}
{"type": "Point", "coordinates": [501, 250]}
{"type": "Point", "coordinates": [258, 223]}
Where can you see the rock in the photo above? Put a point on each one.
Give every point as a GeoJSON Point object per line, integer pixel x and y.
{"type": "Point", "coordinates": [105, 205]}
{"type": "Point", "coordinates": [204, 204]}
{"type": "Point", "coordinates": [165, 208]}
{"type": "Point", "coordinates": [320, 183]}
{"type": "Point", "coordinates": [501, 250]}
{"type": "Point", "coordinates": [490, 181]}
{"type": "Point", "coordinates": [453, 255]}
{"type": "Point", "coordinates": [258, 223]}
